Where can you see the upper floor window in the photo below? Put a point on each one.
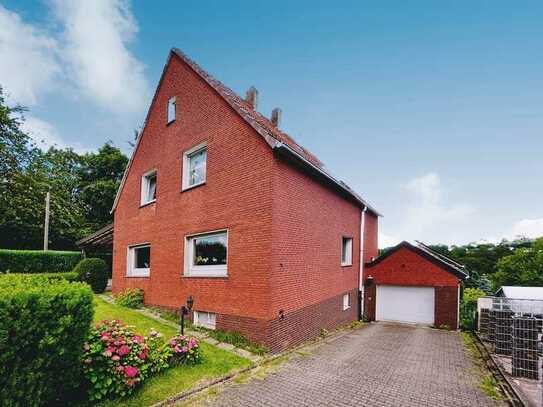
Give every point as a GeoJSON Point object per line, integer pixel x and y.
{"type": "Point", "coordinates": [206, 254]}
{"type": "Point", "coordinates": [139, 261]}
{"type": "Point", "coordinates": [171, 109]}
{"type": "Point", "coordinates": [346, 251]}
{"type": "Point", "coordinates": [194, 166]}
{"type": "Point", "coordinates": [148, 187]}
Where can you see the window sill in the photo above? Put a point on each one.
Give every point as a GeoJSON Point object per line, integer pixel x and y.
{"type": "Point", "coordinates": [192, 186]}
{"type": "Point", "coordinates": [347, 265]}
{"type": "Point", "coordinates": [147, 203]}
{"type": "Point", "coordinates": [141, 276]}
{"type": "Point", "coordinates": [218, 276]}
{"type": "Point", "coordinates": [346, 309]}
{"type": "Point", "coordinates": [170, 122]}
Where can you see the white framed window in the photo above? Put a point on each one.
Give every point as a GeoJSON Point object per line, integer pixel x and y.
{"type": "Point", "coordinates": [148, 187]}
{"type": "Point", "coordinates": [346, 251]}
{"type": "Point", "coordinates": [139, 260]}
{"type": "Point", "coordinates": [346, 301]}
{"type": "Point", "coordinates": [194, 166]}
{"type": "Point", "coordinates": [205, 319]}
{"type": "Point", "coordinates": [171, 109]}
{"type": "Point", "coordinates": [206, 254]}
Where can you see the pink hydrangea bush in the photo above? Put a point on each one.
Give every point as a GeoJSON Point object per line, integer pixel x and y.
{"type": "Point", "coordinates": [116, 360]}
{"type": "Point", "coordinates": [184, 350]}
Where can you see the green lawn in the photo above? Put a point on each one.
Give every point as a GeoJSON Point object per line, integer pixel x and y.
{"type": "Point", "coordinates": [216, 362]}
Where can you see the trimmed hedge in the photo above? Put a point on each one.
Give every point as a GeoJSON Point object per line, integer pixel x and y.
{"type": "Point", "coordinates": [37, 261]}
{"type": "Point", "coordinates": [93, 272]}
{"type": "Point", "coordinates": [43, 327]}
{"type": "Point", "coordinates": [69, 276]}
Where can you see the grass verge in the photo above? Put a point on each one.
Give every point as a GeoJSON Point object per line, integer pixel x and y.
{"type": "Point", "coordinates": [216, 362]}
{"type": "Point", "coordinates": [487, 382]}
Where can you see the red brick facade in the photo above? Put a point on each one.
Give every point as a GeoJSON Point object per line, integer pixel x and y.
{"type": "Point", "coordinates": [284, 227]}
{"type": "Point", "coordinates": [405, 267]}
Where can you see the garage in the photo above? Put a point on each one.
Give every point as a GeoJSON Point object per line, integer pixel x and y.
{"type": "Point", "coordinates": [405, 304]}
{"type": "Point", "coordinates": [411, 283]}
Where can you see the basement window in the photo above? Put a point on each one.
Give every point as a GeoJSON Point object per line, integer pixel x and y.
{"type": "Point", "coordinates": [139, 261]}
{"type": "Point", "coordinates": [346, 301]}
{"type": "Point", "coordinates": [206, 255]}
{"type": "Point", "coordinates": [171, 109]}
{"type": "Point", "coordinates": [148, 187]}
{"type": "Point", "coordinates": [346, 251]}
{"type": "Point", "coordinates": [194, 166]}
{"type": "Point", "coordinates": [205, 319]}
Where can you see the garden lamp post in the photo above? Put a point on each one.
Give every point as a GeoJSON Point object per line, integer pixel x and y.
{"type": "Point", "coordinates": [185, 309]}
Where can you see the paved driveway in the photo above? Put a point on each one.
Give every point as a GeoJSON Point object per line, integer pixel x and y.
{"type": "Point", "coordinates": [379, 365]}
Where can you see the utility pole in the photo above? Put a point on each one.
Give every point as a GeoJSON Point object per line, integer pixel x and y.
{"type": "Point", "coordinates": [46, 228]}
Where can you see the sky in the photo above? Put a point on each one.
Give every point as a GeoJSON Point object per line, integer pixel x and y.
{"type": "Point", "coordinates": [432, 111]}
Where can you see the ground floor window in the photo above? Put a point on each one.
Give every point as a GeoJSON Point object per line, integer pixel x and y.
{"type": "Point", "coordinates": [206, 254]}
{"type": "Point", "coordinates": [346, 301]}
{"type": "Point", "coordinates": [205, 319]}
{"type": "Point", "coordinates": [139, 261]}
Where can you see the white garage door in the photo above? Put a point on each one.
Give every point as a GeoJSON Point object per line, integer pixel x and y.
{"type": "Point", "coordinates": [405, 304]}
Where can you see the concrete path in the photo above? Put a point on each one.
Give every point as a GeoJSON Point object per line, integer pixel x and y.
{"type": "Point", "coordinates": [378, 365]}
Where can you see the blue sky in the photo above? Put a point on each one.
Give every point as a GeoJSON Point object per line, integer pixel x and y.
{"type": "Point", "coordinates": [433, 111]}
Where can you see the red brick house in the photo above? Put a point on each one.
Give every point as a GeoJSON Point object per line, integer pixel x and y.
{"type": "Point", "coordinates": [220, 204]}
{"type": "Point", "coordinates": [412, 283]}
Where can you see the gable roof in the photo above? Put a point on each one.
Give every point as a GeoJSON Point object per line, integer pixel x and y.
{"type": "Point", "coordinates": [280, 142]}
{"type": "Point", "coordinates": [446, 263]}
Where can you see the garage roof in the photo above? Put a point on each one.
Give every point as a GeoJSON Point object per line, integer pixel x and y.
{"type": "Point", "coordinates": [446, 263]}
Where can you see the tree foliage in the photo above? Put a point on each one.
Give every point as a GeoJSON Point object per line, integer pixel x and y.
{"type": "Point", "coordinates": [82, 187]}
{"type": "Point", "coordinates": [523, 268]}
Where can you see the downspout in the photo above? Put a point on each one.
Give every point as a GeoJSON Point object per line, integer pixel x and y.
{"type": "Point", "coordinates": [361, 261]}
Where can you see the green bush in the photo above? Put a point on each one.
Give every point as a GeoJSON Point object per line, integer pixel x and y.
{"type": "Point", "coordinates": [43, 326]}
{"type": "Point", "coordinates": [94, 272]}
{"type": "Point", "coordinates": [37, 261]}
{"type": "Point", "coordinates": [468, 307]}
{"type": "Point", "coordinates": [69, 276]}
{"type": "Point", "coordinates": [130, 298]}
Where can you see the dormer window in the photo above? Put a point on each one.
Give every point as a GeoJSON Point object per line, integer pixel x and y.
{"type": "Point", "coordinates": [171, 109]}
{"type": "Point", "coordinates": [148, 187]}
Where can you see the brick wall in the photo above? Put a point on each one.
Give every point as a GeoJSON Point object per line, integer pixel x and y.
{"type": "Point", "coordinates": [446, 311]}
{"type": "Point", "coordinates": [236, 196]}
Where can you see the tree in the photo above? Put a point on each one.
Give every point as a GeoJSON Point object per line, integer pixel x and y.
{"type": "Point", "coordinates": [101, 175]}
{"type": "Point", "coordinates": [524, 267]}
{"type": "Point", "coordinates": [82, 187]}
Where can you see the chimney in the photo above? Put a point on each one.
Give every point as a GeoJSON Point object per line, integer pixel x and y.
{"type": "Point", "coordinates": [252, 97]}
{"type": "Point", "coordinates": [276, 117]}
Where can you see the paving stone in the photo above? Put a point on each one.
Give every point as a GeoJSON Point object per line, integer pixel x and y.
{"type": "Point", "coordinates": [243, 353]}
{"type": "Point", "coordinates": [380, 365]}
{"type": "Point", "coordinates": [211, 341]}
{"type": "Point", "coordinates": [225, 346]}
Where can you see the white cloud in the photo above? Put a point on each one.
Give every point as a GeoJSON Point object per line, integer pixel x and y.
{"type": "Point", "coordinates": [429, 215]}
{"type": "Point", "coordinates": [45, 135]}
{"type": "Point", "coordinates": [88, 54]}
{"type": "Point", "coordinates": [387, 241]}
{"type": "Point", "coordinates": [94, 48]}
{"type": "Point", "coordinates": [530, 228]}
{"type": "Point", "coordinates": [28, 59]}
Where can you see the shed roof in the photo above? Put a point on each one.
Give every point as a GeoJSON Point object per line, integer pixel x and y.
{"type": "Point", "coordinates": [525, 293]}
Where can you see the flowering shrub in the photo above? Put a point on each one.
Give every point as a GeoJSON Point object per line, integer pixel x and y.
{"type": "Point", "coordinates": [184, 350]}
{"type": "Point", "coordinates": [116, 360]}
